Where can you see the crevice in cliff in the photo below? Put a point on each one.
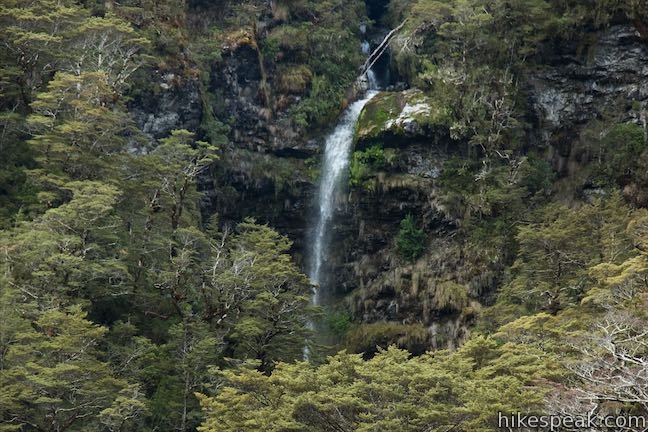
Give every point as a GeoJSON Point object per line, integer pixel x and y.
{"type": "Point", "coordinates": [376, 9]}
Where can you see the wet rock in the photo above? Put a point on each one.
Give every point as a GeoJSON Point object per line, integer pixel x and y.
{"type": "Point", "coordinates": [257, 99]}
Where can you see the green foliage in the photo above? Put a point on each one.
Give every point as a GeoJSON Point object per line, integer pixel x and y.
{"type": "Point", "coordinates": [295, 79]}
{"type": "Point", "coordinates": [475, 189]}
{"type": "Point", "coordinates": [624, 149]}
{"type": "Point", "coordinates": [118, 301]}
{"type": "Point", "coordinates": [551, 271]}
{"type": "Point", "coordinates": [487, 198]}
{"type": "Point", "coordinates": [319, 35]}
{"type": "Point", "coordinates": [319, 107]}
{"type": "Point", "coordinates": [389, 392]}
{"type": "Point", "coordinates": [273, 317]}
{"type": "Point", "coordinates": [339, 322]}
{"type": "Point", "coordinates": [69, 252]}
{"type": "Point", "coordinates": [411, 240]}
{"type": "Point", "coordinates": [76, 128]}
{"type": "Point", "coordinates": [57, 39]}
{"type": "Point", "coordinates": [470, 60]}
{"type": "Point", "coordinates": [578, 17]}
{"type": "Point", "coordinates": [53, 377]}
{"type": "Point", "coordinates": [310, 50]}
{"type": "Point", "coordinates": [367, 163]}
{"type": "Point", "coordinates": [537, 176]}
{"type": "Point", "coordinates": [181, 369]}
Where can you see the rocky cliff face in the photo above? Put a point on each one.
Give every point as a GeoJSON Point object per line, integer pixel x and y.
{"type": "Point", "coordinates": [269, 169]}
{"type": "Point", "coordinates": [586, 82]}
{"type": "Point", "coordinates": [378, 283]}
{"type": "Point", "coordinates": [174, 103]}
{"type": "Point", "coordinates": [380, 286]}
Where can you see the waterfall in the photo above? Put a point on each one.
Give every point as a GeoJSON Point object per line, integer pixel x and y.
{"type": "Point", "coordinates": [366, 48]}
{"type": "Point", "coordinates": [372, 80]}
{"type": "Point", "coordinates": [337, 152]}
{"type": "Point", "coordinates": [334, 166]}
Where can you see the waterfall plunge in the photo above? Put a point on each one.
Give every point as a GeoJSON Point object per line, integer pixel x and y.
{"type": "Point", "coordinates": [366, 48]}
{"type": "Point", "coordinates": [334, 166]}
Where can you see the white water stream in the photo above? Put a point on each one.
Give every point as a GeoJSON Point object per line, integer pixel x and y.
{"type": "Point", "coordinates": [335, 164]}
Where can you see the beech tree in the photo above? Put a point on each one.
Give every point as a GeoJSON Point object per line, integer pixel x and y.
{"type": "Point", "coordinates": [53, 378]}
{"type": "Point", "coordinates": [76, 128]}
{"type": "Point", "coordinates": [552, 268]}
{"type": "Point", "coordinates": [392, 391]}
{"type": "Point", "coordinates": [70, 252]}
{"type": "Point", "coordinates": [259, 292]}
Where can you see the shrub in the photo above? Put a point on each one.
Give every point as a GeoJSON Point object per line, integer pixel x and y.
{"type": "Point", "coordinates": [411, 241]}
{"type": "Point", "coordinates": [365, 164]}
{"type": "Point", "coordinates": [295, 79]}
{"type": "Point", "coordinates": [623, 147]}
{"type": "Point", "coordinates": [339, 322]}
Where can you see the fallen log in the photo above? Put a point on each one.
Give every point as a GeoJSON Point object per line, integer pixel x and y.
{"type": "Point", "coordinates": [375, 55]}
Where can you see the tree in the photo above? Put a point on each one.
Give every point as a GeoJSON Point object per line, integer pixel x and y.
{"type": "Point", "coordinates": [166, 250]}
{"type": "Point", "coordinates": [183, 364]}
{"type": "Point", "coordinates": [608, 368]}
{"type": "Point", "coordinates": [39, 40]}
{"type": "Point", "coordinates": [125, 412]}
{"type": "Point", "coordinates": [551, 271]}
{"type": "Point", "coordinates": [71, 251]}
{"type": "Point", "coordinates": [179, 160]}
{"type": "Point", "coordinates": [53, 378]}
{"type": "Point", "coordinates": [43, 37]}
{"type": "Point", "coordinates": [265, 294]}
{"type": "Point", "coordinates": [460, 391]}
{"type": "Point", "coordinates": [76, 129]}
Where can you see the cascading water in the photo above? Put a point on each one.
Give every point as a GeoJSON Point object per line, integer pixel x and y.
{"type": "Point", "coordinates": [372, 80]}
{"type": "Point", "coordinates": [337, 152]}
{"type": "Point", "coordinates": [366, 48]}
{"type": "Point", "coordinates": [334, 166]}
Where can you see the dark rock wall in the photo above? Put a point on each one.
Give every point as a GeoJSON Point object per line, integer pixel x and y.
{"type": "Point", "coordinates": [585, 83]}
{"type": "Point", "coordinates": [269, 170]}
{"type": "Point", "coordinates": [175, 104]}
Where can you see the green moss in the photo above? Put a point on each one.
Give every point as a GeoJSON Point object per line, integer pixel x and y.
{"type": "Point", "coordinates": [376, 114]}
{"type": "Point", "coordinates": [388, 112]}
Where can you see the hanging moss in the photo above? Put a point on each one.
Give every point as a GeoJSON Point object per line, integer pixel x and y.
{"type": "Point", "coordinates": [450, 296]}
{"type": "Point", "coordinates": [367, 338]}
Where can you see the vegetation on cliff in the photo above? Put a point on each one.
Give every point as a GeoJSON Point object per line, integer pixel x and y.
{"type": "Point", "coordinates": [127, 305]}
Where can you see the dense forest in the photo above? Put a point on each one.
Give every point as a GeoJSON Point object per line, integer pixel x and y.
{"type": "Point", "coordinates": [159, 166]}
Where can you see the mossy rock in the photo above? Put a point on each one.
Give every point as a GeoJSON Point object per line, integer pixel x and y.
{"type": "Point", "coordinates": [394, 115]}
